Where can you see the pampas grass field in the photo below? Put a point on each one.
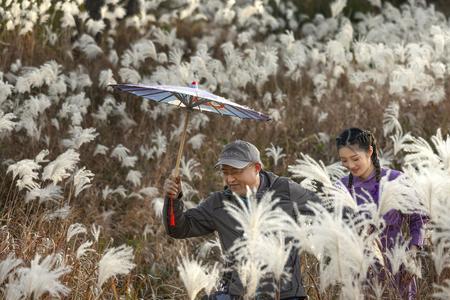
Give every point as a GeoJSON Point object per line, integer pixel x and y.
{"type": "Point", "coordinates": [82, 165]}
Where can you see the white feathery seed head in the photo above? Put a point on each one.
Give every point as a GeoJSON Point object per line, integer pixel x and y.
{"type": "Point", "coordinates": [75, 229]}
{"type": "Point", "coordinates": [59, 169]}
{"type": "Point", "coordinates": [196, 276]}
{"type": "Point", "coordinates": [82, 180]}
{"type": "Point", "coordinates": [7, 266]}
{"type": "Point", "coordinates": [116, 261]}
{"type": "Point", "coordinates": [40, 278]}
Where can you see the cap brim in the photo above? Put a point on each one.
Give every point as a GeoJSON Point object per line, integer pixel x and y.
{"type": "Point", "coordinates": [238, 164]}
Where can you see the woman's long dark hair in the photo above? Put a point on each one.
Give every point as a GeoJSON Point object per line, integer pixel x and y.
{"type": "Point", "coordinates": [363, 139]}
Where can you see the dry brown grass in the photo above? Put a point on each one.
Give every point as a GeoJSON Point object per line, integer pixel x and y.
{"type": "Point", "coordinates": [24, 232]}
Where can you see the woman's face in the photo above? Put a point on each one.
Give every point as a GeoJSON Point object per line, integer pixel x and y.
{"type": "Point", "coordinates": [356, 160]}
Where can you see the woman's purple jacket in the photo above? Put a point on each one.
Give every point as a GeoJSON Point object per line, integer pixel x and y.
{"type": "Point", "coordinates": [393, 218]}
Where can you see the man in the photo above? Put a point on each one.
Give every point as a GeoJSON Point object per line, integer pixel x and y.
{"type": "Point", "coordinates": [241, 166]}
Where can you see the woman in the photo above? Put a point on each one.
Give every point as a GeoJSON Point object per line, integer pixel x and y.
{"type": "Point", "coordinates": [359, 154]}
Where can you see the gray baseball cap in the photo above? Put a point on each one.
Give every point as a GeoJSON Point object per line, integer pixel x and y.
{"type": "Point", "coordinates": [238, 154]}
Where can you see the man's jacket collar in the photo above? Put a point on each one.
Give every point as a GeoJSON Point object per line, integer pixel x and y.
{"type": "Point", "coordinates": [267, 181]}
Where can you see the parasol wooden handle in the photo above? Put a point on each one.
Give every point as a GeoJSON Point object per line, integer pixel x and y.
{"type": "Point", "coordinates": [177, 168]}
{"type": "Point", "coordinates": [182, 142]}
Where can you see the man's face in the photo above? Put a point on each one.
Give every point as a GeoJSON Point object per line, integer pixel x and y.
{"type": "Point", "coordinates": [238, 179]}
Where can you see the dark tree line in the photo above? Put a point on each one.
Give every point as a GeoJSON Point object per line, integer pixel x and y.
{"type": "Point", "coordinates": [308, 7]}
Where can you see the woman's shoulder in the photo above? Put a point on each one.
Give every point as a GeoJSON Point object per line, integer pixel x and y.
{"type": "Point", "coordinates": [344, 179]}
{"type": "Point", "coordinates": [392, 173]}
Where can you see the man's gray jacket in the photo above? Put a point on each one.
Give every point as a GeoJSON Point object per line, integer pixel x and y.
{"type": "Point", "coordinates": [210, 216]}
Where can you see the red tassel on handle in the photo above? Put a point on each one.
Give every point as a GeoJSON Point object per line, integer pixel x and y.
{"type": "Point", "coordinates": [171, 214]}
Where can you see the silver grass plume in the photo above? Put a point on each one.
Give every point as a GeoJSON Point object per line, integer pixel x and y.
{"type": "Point", "coordinates": [116, 261]}
{"type": "Point", "coordinates": [262, 223]}
{"type": "Point", "coordinates": [433, 190]}
{"type": "Point", "coordinates": [7, 265]}
{"type": "Point", "coordinates": [6, 122]}
{"type": "Point", "coordinates": [330, 238]}
{"type": "Point", "coordinates": [49, 193]}
{"type": "Point", "coordinates": [440, 256]}
{"type": "Point", "coordinates": [390, 119]}
{"type": "Point", "coordinates": [337, 7]}
{"type": "Point", "coordinates": [158, 205]}
{"type": "Point", "coordinates": [61, 213]}
{"type": "Point", "coordinates": [332, 194]}
{"type": "Point", "coordinates": [422, 154]}
{"type": "Point", "coordinates": [188, 169]}
{"type": "Point", "coordinates": [59, 169]}
{"type": "Point", "coordinates": [134, 177]}
{"type": "Point", "coordinates": [255, 217]}
{"type": "Point", "coordinates": [87, 45]}
{"type": "Point", "coordinates": [80, 136]}
{"type": "Point", "coordinates": [250, 273]}
{"type": "Point", "coordinates": [196, 276]}
{"type": "Point", "coordinates": [40, 278]}
{"type": "Point", "coordinates": [95, 231]}
{"type": "Point", "coordinates": [400, 255]}
{"type": "Point", "coordinates": [442, 291]}
{"type": "Point", "coordinates": [207, 246]}
{"type": "Point", "coordinates": [82, 180]}
{"type": "Point", "coordinates": [26, 173]}
{"type": "Point", "coordinates": [75, 229]}
{"type": "Point", "coordinates": [275, 152]}
{"type": "Point", "coordinates": [399, 194]}
{"type": "Point", "coordinates": [84, 248]}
